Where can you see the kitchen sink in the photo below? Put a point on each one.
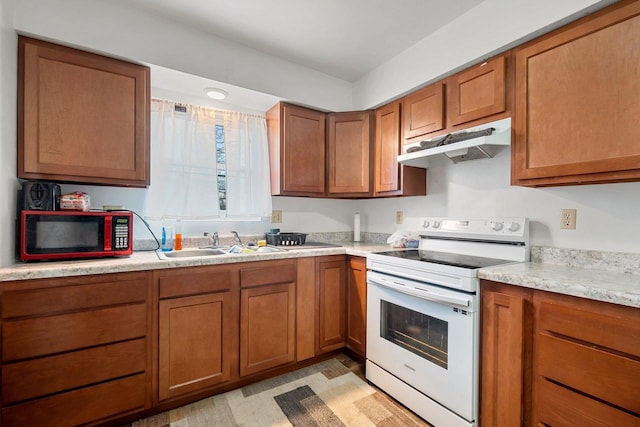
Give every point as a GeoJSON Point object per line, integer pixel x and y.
{"type": "Point", "coordinates": [189, 253]}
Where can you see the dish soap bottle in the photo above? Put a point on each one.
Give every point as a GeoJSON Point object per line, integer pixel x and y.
{"type": "Point", "coordinates": [166, 239]}
{"type": "Point", "coordinates": [178, 239]}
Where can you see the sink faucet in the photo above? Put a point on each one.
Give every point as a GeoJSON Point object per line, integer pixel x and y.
{"type": "Point", "coordinates": [213, 238]}
{"type": "Point", "coordinates": [236, 238]}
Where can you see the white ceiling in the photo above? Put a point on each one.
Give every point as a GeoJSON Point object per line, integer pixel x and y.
{"type": "Point", "coordinates": [342, 38]}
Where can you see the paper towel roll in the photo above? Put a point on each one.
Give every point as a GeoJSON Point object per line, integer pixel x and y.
{"type": "Point", "coordinates": [356, 227]}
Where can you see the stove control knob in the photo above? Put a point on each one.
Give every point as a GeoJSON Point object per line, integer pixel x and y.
{"type": "Point", "coordinates": [496, 226]}
{"type": "Point", "coordinates": [514, 226]}
{"type": "Point", "coordinates": [425, 224]}
{"type": "Point", "coordinates": [436, 224]}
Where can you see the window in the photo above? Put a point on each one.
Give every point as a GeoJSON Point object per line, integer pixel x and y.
{"type": "Point", "coordinates": [221, 168]}
{"type": "Point", "coordinates": [207, 164]}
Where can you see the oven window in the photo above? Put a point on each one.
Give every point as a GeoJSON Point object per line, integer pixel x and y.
{"type": "Point", "coordinates": [416, 332]}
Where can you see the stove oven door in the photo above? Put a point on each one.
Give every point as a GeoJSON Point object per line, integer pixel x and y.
{"type": "Point", "coordinates": [426, 336]}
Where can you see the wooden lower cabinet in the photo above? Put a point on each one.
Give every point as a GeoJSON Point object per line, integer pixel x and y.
{"type": "Point", "coordinates": [75, 350]}
{"type": "Point", "coordinates": [356, 305]}
{"type": "Point", "coordinates": [197, 329]}
{"type": "Point", "coordinates": [267, 316]}
{"type": "Point", "coordinates": [106, 348]}
{"type": "Point", "coordinates": [194, 336]}
{"type": "Point", "coordinates": [505, 354]}
{"type": "Point", "coordinates": [331, 299]}
{"type": "Point", "coordinates": [555, 360]}
{"type": "Point", "coordinates": [586, 362]}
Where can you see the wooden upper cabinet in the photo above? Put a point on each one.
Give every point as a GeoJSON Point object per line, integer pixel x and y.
{"type": "Point", "coordinates": [297, 150]}
{"type": "Point", "coordinates": [82, 117]}
{"type": "Point", "coordinates": [390, 177]}
{"type": "Point", "coordinates": [386, 149]}
{"type": "Point", "coordinates": [477, 92]}
{"type": "Point", "coordinates": [349, 153]}
{"type": "Point", "coordinates": [423, 111]}
{"type": "Point", "coordinates": [576, 102]}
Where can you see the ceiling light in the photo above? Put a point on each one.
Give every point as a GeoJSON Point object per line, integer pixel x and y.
{"type": "Point", "coordinates": [215, 93]}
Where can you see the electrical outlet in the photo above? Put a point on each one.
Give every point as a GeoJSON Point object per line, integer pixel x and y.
{"type": "Point", "coordinates": [568, 219]}
{"type": "Point", "coordinates": [399, 217]}
{"type": "Point", "coordinates": [276, 217]}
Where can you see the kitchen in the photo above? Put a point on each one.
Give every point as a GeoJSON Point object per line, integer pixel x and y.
{"type": "Point", "coordinates": [606, 219]}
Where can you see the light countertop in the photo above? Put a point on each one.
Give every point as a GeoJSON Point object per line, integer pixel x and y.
{"type": "Point", "coordinates": [607, 286]}
{"type": "Point", "coordinates": [150, 261]}
{"type": "Point", "coordinates": [617, 287]}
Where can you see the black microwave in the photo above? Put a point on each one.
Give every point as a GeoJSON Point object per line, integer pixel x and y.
{"type": "Point", "coordinates": [55, 235]}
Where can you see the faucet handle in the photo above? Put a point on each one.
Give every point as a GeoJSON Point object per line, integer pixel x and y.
{"type": "Point", "coordinates": [213, 237]}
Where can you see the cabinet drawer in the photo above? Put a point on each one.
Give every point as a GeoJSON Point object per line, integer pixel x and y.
{"type": "Point", "coordinates": [558, 406]}
{"type": "Point", "coordinates": [591, 347]}
{"type": "Point", "coordinates": [54, 300]}
{"type": "Point", "coordinates": [210, 280]}
{"type": "Point", "coordinates": [39, 377]}
{"type": "Point", "coordinates": [48, 335]}
{"type": "Point", "coordinates": [80, 406]}
{"type": "Point", "coordinates": [597, 323]}
{"type": "Point", "coordinates": [607, 376]}
{"type": "Point", "coordinates": [268, 273]}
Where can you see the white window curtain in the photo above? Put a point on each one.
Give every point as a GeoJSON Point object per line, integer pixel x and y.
{"type": "Point", "coordinates": [184, 175]}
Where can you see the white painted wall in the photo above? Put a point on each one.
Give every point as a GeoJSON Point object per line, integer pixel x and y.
{"type": "Point", "coordinates": [8, 90]}
{"type": "Point", "coordinates": [607, 214]}
{"type": "Point", "coordinates": [106, 27]}
{"type": "Point", "coordinates": [491, 26]}
{"type": "Point", "coordinates": [606, 219]}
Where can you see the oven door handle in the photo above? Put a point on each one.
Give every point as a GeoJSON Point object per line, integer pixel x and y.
{"type": "Point", "coordinates": [421, 293]}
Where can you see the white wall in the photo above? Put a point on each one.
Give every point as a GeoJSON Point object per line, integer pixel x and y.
{"type": "Point", "coordinates": [107, 28]}
{"type": "Point", "coordinates": [606, 217]}
{"type": "Point", "coordinates": [8, 90]}
{"type": "Point", "coordinates": [607, 214]}
{"type": "Point", "coordinates": [491, 26]}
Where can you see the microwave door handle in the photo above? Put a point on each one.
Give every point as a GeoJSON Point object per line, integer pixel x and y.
{"type": "Point", "coordinates": [420, 293]}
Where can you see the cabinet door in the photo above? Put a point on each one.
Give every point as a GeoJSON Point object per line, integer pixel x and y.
{"type": "Point", "coordinates": [331, 291]}
{"type": "Point", "coordinates": [193, 350]}
{"type": "Point", "coordinates": [390, 177]}
{"type": "Point", "coordinates": [576, 102]}
{"type": "Point", "coordinates": [350, 154]}
{"type": "Point", "coordinates": [82, 117]}
{"type": "Point", "coordinates": [423, 111]}
{"type": "Point", "coordinates": [267, 327]}
{"type": "Point", "coordinates": [296, 150]}
{"type": "Point", "coordinates": [505, 349]}
{"type": "Point", "coordinates": [357, 305]}
{"type": "Point", "coordinates": [387, 147]}
{"type": "Point", "coordinates": [477, 92]}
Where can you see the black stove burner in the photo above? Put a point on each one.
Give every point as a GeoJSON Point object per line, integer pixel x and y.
{"type": "Point", "coordinates": [445, 258]}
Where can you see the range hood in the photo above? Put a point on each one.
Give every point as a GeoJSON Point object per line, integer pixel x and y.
{"type": "Point", "coordinates": [468, 149]}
